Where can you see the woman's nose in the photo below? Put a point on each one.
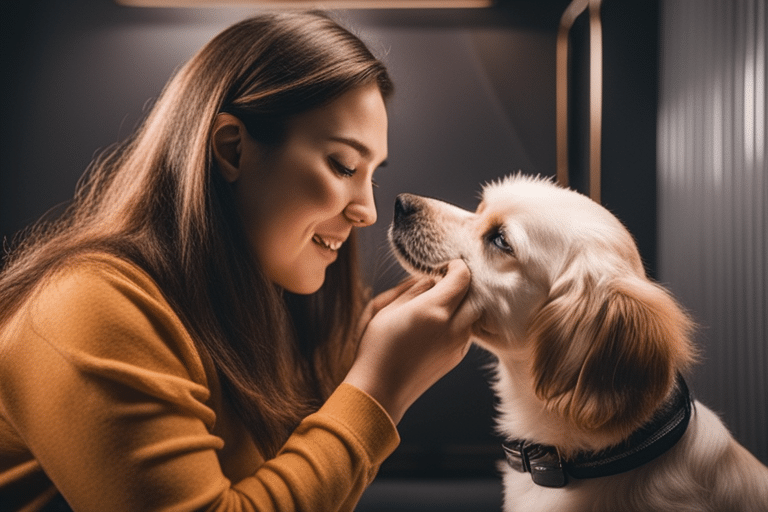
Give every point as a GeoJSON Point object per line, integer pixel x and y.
{"type": "Point", "coordinates": [361, 211]}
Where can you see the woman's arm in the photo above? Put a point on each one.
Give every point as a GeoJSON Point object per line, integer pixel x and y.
{"type": "Point", "coordinates": [108, 393]}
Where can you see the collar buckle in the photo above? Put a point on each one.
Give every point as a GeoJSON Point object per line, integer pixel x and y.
{"type": "Point", "coordinates": [543, 462]}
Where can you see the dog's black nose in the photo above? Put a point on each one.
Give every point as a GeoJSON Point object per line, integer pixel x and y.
{"type": "Point", "coordinates": [405, 206]}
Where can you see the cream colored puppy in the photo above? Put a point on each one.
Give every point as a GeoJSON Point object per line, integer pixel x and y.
{"type": "Point", "coordinates": [592, 402]}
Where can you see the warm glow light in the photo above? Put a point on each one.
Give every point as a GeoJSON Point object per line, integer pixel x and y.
{"type": "Point", "coordinates": [316, 4]}
{"type": "Point", "coordinates": [573, 11]}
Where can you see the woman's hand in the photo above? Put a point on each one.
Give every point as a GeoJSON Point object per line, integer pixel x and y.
{"type": "Point", "coordinates": [419, 331]}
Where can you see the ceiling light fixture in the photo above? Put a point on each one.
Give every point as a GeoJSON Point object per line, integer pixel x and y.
{"type": "Point", "coordinates": [317, 4]}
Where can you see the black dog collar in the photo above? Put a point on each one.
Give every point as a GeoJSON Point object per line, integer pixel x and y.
{"type": "Point", "coordinates": [661, 433]}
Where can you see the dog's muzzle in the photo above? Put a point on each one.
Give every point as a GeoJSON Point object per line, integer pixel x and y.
{"type": "Point", "coordinates": [417, 241]}
{"type": "Point", "coordinates": [405, 207]}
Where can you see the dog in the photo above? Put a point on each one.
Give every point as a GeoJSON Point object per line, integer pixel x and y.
{"type": "Point", "coordinates": [592, 402]}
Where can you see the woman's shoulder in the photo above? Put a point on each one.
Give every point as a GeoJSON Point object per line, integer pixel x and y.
{"type": "Point", "coordinates": [98, 286]}
{"type": "Point", "coordinates": [98, 308]}
{"type": "Point", "coordinates": [88, 269]}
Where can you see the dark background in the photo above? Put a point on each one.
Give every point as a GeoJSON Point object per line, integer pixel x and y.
{"type": "Point", "coordinates": [475, 100]}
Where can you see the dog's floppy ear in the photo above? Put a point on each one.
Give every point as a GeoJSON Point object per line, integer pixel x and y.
{"type": "Point", "coordinates": [606, 351]}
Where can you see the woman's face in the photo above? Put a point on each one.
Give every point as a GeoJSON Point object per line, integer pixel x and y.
{"type": "Point", "coordinates": [299, 201]}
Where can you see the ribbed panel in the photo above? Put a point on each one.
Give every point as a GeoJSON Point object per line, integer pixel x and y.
{"type": "Point", "coordinates": [713, 198]}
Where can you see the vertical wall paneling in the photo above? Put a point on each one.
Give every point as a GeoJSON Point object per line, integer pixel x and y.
{"type": "Point", "coordinates": [574, 10]}
{"type": "Point", "coordinates": [713, 198]}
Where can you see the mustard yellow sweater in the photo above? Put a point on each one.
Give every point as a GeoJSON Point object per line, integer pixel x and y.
{"type": "Point", "coordinates": [104, 400]}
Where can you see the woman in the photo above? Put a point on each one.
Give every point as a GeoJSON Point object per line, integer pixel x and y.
{"type": "Point", "coordinates": [192, 334]}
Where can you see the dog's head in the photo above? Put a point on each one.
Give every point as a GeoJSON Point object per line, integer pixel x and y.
{"type": "Point", "coordinates": [562, 289]}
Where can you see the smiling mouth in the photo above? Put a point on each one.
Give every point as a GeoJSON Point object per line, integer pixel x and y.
{"type": "Point", "coordinates": [332, 245]}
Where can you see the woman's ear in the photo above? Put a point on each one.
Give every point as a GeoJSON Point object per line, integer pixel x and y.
{"type": "Point", "coordinates": [227, 144]}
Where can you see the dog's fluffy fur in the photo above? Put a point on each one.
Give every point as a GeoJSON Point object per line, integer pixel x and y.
{"type": "Point", "coordinates": [588, 348]}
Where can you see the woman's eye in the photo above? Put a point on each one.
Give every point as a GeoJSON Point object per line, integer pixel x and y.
{"type": "Point", "coordinates": [341, 169]}
{"type": "Point", "coordinates": [499, 240]}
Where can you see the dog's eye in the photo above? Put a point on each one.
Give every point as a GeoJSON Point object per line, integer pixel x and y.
{"type": "Point", "coordinates": [499, 240]}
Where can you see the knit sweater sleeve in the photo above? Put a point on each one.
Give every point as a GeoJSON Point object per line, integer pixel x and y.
{"type": "Point", "coordinates": [105, 389]}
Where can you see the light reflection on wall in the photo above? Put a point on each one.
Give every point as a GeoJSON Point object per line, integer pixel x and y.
{"type": "Point", "coordinates": [713, 198]}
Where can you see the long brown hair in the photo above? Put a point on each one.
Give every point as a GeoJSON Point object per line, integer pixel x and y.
{"type": "Point", "coordinates": [158, 200]}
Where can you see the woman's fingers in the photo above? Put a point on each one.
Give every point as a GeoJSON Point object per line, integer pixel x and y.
{"type": "Point", "coordinates": [386, 298]}
{"type": "Point", "coordinates": [465, 317]}
{"type": "Point", "coordinates": [420, 333]}
{"type": "Point", "coordinates": [449, 291]}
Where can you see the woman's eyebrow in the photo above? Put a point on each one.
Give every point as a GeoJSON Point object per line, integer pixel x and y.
{"type": "Point", "coordinates": [358, 146]}
{"type": "Point", "coordinates": [353, 143]}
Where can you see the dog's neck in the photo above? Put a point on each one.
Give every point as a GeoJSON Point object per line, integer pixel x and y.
{"type": "Point", "coordinates": [524, 415]}
{"type": "Point", "coordinates": [538, 443]}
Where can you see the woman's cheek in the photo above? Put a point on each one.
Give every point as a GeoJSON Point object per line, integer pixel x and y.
{"type": "Point", "coordinates": [323, 192]}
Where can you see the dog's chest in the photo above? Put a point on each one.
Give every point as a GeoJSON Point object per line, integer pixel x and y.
{"type": "Point", "coordinates": [522, 495]}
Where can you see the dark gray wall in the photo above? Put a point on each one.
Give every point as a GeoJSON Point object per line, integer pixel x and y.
{"type": "Point", "coordinates": [713, 198]}
{"type": "Point", "coordinates": [475, 100]}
